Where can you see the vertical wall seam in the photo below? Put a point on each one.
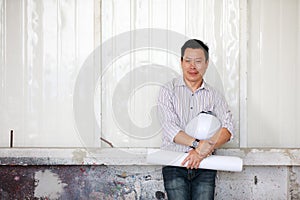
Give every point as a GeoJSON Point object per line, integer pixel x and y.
{"type": "Point", "coordinates": [243, 72]}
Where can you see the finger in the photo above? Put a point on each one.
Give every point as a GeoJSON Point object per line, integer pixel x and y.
{"type": "Point", "coordinates": [183, 163]}
{"type": "Point", "coordinates": [189, 165]}
{"type": "Point", "coordinates": [195, 165]}
{"type": "Point", "coordinates": [185, 160]}
{"type": "Point", "coordinates": [199, 164]}
{"type": "Point", "coordinates": [192, 165]}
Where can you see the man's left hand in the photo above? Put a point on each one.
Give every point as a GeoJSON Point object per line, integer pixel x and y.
{"type": "Point", "coordinates": [193, 160]}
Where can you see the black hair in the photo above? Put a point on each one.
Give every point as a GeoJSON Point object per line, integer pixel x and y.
{"type": "Point", "coordinates": [195, 44]}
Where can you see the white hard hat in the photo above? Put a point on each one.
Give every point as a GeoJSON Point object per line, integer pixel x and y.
{"type": "Point", "coordinates": [203, 126]}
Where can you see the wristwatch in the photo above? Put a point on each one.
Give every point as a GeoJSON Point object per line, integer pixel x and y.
{"type": "Point", "coordinates": [195, 144]}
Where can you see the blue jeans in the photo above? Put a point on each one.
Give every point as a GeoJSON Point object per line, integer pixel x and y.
{"type": "Point", "coordinates": [183, 184]}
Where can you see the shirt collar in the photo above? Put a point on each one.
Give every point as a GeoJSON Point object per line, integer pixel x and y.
{"type": "Point", "coordinates": [180, 82]}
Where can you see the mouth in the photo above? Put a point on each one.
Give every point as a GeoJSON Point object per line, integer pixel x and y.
{"type": "Point", "coordinates": [193, 73]}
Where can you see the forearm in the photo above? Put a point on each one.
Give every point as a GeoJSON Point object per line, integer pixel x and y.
{"type": "Point", "coordinates": [220, 138]}
{"type": "Point", "coordinates": [206, 147]}
{"type": "Point", "coordinates": [183, 138]}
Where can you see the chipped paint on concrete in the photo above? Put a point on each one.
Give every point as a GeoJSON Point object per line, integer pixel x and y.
{"type": "Point", "coordinates": [79, 155]}
{"type": "Point", "coordinates": [80, 182]}
{"type": "Point", "coordinates": [294, 178]}
{"type": "Point", "coordinates": [138, 182]}
{"type": "Point", "coordinates": [48, 184]}
{"type": "Point", "coordinates": [124, 174]}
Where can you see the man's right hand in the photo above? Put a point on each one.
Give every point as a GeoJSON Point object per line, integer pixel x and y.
{"type": "Point", "coordinates": [205, 148]}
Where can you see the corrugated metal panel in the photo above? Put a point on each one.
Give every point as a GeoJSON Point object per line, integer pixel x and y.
{"type": "Point", "coordinates": [273, 74]}
{"type": "Point", "coordinates": [215, 22]}
{"type": "Point", "coordinates": [45, 43]}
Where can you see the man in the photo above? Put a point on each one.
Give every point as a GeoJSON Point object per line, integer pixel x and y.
{"type": "Point", "coordinates": [180, 101]}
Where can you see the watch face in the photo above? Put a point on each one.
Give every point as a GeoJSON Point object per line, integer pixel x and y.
{"type": "Point", "coordinates": [195, 144]}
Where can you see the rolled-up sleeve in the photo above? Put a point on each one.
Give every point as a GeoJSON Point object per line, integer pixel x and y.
{"type": "Point", "coordinates": [224, 114]}
{"type": "Point", "coordinates": [168, 118]}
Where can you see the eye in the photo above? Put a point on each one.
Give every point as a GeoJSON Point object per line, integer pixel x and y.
{"type": "Point", "coordinates": [198, 62]}
{"type": "Point", "coordinates": [188, 60]}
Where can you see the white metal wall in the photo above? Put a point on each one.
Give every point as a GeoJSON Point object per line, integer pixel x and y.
{"type": "Point", "coordinates": [273, 73]}
{"type": "Point", "coordinates": [215, 22]}
{"type": "Point", "coordinates": [44, 44]}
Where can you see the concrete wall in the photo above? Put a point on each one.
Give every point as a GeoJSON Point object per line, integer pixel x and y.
{"type": "Point", "coordinates": [85, 174]}
{"type": "Point", "coordinates": [138, 182]}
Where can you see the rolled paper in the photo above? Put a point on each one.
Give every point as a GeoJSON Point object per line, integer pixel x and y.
{"type": "Point", "coordinates": [216, 162]}
{"type": "Point", "coordinates": [203, 127]}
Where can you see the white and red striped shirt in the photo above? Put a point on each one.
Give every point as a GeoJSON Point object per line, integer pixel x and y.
{"type": "Point", "coordinates": [177, 105]}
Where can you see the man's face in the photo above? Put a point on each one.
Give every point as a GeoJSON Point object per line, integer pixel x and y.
{"type": "Point", "coordinates": [194, 65]}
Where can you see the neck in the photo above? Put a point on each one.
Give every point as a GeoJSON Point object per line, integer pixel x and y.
{"type": "Point", "coordinates": [193, 85]}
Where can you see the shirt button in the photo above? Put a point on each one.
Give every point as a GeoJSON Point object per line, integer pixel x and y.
{"type": "Point", "coordinates": [192, 94]}
{"type": "Point", "coordinates": [191, 107]}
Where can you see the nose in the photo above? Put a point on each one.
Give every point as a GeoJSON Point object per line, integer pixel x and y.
{"type": "Point", "coordinates": [193, 63]}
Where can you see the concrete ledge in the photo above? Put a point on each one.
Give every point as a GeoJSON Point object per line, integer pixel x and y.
{"type": "Point", "coordinates": [133, 156]}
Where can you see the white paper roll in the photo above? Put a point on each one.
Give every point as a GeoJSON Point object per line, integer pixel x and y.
{"type": "Point", "coordinates": [216, 162]}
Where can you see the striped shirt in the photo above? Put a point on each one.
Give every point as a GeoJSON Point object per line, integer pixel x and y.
{"type": "Point", "coordinates": [177, 105]}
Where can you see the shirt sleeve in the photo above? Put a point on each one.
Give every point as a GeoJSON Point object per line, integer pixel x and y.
{"type": "Point", "coordinates": [223, 112]}
{"type": "Point", "coordinates": [168, 118]}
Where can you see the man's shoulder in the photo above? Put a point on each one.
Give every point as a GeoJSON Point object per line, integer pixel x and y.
{"type": "Point", "coordinates": [209, 87]}
{"type": "Point", "coordinates": [213, 90]}
{"type": "Point", "coordinates": [175, 82]}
